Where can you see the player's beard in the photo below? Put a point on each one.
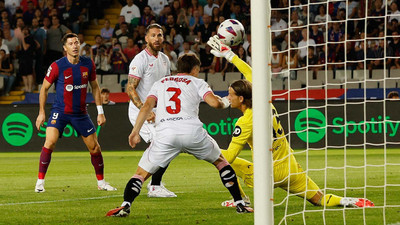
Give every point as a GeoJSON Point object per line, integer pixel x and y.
{"type": "Point", "coordinates": [154, 48]}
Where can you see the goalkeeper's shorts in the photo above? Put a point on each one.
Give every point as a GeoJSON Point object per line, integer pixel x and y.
{"type": "Point", "coordinates": [298, 182]}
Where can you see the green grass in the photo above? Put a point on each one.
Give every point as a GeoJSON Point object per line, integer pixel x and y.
{"type": "Point", "coordinates": [71, 195]}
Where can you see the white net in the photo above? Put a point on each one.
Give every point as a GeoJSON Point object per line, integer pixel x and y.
{"type": "Point", "coordinates": [333, 65]}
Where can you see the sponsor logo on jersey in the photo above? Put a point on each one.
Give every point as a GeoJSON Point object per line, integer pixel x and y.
{"type": "Point", "coordinates": [151, 65]}
{"type": "Point", "coordinates": [237, 131]}
{"type": "Point", "coordinates": [69, 87]}
{"type": "Point", "coordinates": [80, 86]}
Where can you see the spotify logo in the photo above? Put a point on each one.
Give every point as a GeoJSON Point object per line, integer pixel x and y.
{"type": "Point", "coordinates": [17, 129]}
{"type": "Point", "coordinates": [310, 125]}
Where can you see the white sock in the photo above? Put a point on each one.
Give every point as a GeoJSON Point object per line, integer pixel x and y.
{"type": "Point", "coordinates": [126, 203]}
{"type": "Point", "coordinates": [101, 182]}
{"type": "Point", "coordinates": [40, 181]}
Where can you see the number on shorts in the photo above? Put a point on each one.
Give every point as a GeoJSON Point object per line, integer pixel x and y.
{"type": "Point", "coordinates": [55, 116]}
{"type": "Point", "coordinates": [174, 99]}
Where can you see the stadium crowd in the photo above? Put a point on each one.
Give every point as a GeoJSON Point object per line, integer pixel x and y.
{"type": "Point", "coordinates": [31, 30]}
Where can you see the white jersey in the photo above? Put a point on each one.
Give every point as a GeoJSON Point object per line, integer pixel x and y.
{"type": "Point", "coordinates": [178, 98]}
{"type": "Point", "coordinates": [149, 69]}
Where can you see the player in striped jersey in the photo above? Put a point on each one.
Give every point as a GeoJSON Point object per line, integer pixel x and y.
{"type": "Point", "coordinates": [71, 75]}
{"type": "Point", "coordinates": [177, 99]}
{"type": "Point", "coordinates": [285, 164]}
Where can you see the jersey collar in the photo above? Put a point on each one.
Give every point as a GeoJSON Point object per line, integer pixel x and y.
{"type": "Point", "coordinates": [148, 52]}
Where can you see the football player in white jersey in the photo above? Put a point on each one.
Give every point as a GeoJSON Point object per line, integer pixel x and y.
{"type": "Point", "coordinates": [177, 100]}
{"type": "Point", "coordinates": [147, 67]}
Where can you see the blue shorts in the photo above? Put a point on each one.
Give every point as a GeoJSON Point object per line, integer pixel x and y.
{"type": "Point", "coordinates": [81, 123]}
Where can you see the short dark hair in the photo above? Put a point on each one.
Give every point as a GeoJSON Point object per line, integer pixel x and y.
{"type": "Point", "coordinates": [66, 36]}
{"type": "Point", "coordinates": [187, 62]}
{"type": "Point", "coordinates": [153, 25]}
{"type": "Point", "coordinates": [243, 88]}
{"type": "Point", "coordinates": [393, 94]}
{"type": "Point", "coordinates": [104, 90]}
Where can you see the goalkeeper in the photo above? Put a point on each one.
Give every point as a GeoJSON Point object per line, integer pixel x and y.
{"type": "Point", "coordinates": [288, 174]}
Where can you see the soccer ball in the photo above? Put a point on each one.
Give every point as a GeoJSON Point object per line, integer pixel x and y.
{"type": "Point", "coordinates": [231, 32]}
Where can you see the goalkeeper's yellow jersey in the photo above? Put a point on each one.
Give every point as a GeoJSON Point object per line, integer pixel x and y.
{"type": "Point", "coordinates": [243, 132]}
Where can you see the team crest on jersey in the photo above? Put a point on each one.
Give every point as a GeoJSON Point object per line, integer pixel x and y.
{"type": "Point", "coordinates": [48, 71]}
{"type": "Point", "coordinates": [133, 69]}
{"type": "Point", "coordinates": [85, 74]}
{"type": "Point", "coordinates": [237, 131]}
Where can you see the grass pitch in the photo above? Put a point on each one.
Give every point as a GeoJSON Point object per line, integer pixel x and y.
{"type": "Point", "coordinates": [71, 195]}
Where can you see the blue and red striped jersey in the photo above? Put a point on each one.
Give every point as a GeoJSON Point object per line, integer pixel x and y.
{"type": "Point", "coordinates": [71, 82]}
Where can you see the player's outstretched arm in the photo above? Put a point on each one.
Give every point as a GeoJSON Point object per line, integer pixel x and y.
{"type": "Point", "coordinates": [146, 109]}
{"type": "Point", "coordinates": [44, 91]}
{"type": "Point", "coordinates": [219, 49]}
{"type": "Point", "coordinates": [216, 102]}
{"type": "Point", "coordinates": [101, 119]}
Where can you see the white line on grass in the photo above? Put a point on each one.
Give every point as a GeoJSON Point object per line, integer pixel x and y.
{"type": "Point", "coordinates": [72, 200]}
{"type": "Point", "coordinates": [62, 200]}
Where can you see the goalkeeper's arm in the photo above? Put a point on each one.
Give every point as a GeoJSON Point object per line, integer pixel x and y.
{"type": "Point", "coordinates": [221, 50]}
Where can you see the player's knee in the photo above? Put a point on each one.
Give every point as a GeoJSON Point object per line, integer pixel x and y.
{"type": "Point", "coordinates": [50, 144]}
{"type": "Point", "coordinates": [95, 149]}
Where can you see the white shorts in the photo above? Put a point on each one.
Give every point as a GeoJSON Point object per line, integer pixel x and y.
{"type": "Point", "coordinates": [164, 149]}
{"type": "Point", "coordinates": [148, 130]}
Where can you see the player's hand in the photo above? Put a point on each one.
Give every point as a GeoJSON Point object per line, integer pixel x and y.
{"type": "Point", "coordinates": [151, 118]}
{"type": "Point", "coordinates": [220, 49]}
{"type": "Point", "coordinates": [101, 119]}
{"type": "Point", "coordinates": [40, 120]}
{"type": "Point", "coordinates": [133, 139]}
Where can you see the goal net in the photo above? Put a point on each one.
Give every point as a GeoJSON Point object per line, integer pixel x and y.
{"type": "Point", "coordinates": [333, 65]}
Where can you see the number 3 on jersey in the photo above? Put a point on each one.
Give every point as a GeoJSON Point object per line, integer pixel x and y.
{"type": "Point", "coordinates": [174, 99]}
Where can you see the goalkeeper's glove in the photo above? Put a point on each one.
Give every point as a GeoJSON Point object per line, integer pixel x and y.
{"type": "Point", "coordinates": [225, 102]}
{"type": "Point", "coordinates": [220, 49]}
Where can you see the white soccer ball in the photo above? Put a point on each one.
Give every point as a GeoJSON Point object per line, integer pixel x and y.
{"type": "Point", "coordinates": [231, 32]}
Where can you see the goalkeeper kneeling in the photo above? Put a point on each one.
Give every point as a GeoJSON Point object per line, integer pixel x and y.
{"type": "Point", "coordinates": [288, 174]}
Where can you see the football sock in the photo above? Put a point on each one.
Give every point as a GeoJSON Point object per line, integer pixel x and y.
{"type": "Point", "coordinates": [331, 200]}
{"type": "Point", "coordinates": [44, 162]}
{"type": "Point", "coordinates": [229, 179]}
{"type": "Point", "coordinates": [98, 164]}
{"type": "Point", "coordinates": [132, 189]}
{"type": "Point", "coordinates": [157, 176]}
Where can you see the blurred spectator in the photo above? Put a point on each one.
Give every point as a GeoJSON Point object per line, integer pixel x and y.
{"type": "Point", "coordinates": [294, 21]}
{"type": "Point", "coordinates": [3, 45]}
{"type": "Point", "coordinates": [39, 35]}
{"type": "Point", "coordinates": [157, 6]}
{"type": "Point", "coordinates": [248, 59]}
{"type": "Point", "coordinates": [101, 61]}
{"type": "Point", "coordinates": [194, 5]}
{"type": "Point", "coordinates": [304, 45]}
{"type": "Point", "coordinates": [394, 51]}
{"type": "Point", "coordinates": [123, 34]}
{"type": "Point", "coordinates": [98, 41]}
{"type": "Point", "coordinates": [105, 97]}
{"type": "Point", "coordinates": [46, 24]}
{"type": "Point", "coordinates": [18, 29]}
{"type": "Point", "coordinates": [147, 16]}
{"type": "Point", "coordinates": [317, 35]}
{"type": "Point", "coordinates": [117, 59]}
{"type": "Point", "coordinates": [170, 24]}
{"type": "Point", "coordinates": [393, 26]}
{"type": "Point", "coordinates": [7, 72]}
{"type": "Point", "coordinates": [7, 26]}
{"type": "Point", "coordinates": [38, 15]}
{"type": "Point", "coordinates": [25, 58]}
{"type": "Point", "coordinates": [206, 59]}
{"type": "Point", "coordinates": [49, 6]}
{"type": "Point", "coordinates": [237, 12]}
{"type": "Point", "coordinates": [194, 22]}
{"type": "Point", "coordinates": [313, 61]}
{"type": "Point", "coordinates": [168, 49]}
{"type": "Point", "coordinates": [107, 31]}
{"type": "Point", "coordinates": [395, 13]}
{"type": "Point", "coordinates": [81, 39]}
{"type": "Point", "coordinates": [336, 34]}
{"type": "Point", "coordinates": [87, 51]}
{"type": "Point", "coordinates": [29, 13]}
{"type": "Point", "coordinates": [290, 62]}
{"type": "Point", "coordinates": [139, 36]}
{"type": "Point", "coordinates": [322, 17]}
{"type": "Point", "coordinates": [215, 16]}
{"type": "Point", "coordinates": [393, 95]}
{"type": "Point", "coordinates": [10, 41]}
{"type": "Point", "coordinates": [3, 7]}
{"type": "Point", "coordinates": [209, 7]}
{"type": "Point", "coordinates": [4, 18]}
{"type": "Point", "coordinates": [24, 4]}
{"type": "Point", "coordinates": [141, 4]}
{"type": "Point", "coordinates": [162, 17]}
{"type": "Point", "coordinates": [186, 49]}
{"type": "Point", "coordinates": [182, 20]}
{"type": "Point", "coordinates": [206, 30]}
{"type": "Point", "coordinates": [131, 13]}
{"type": "Point", "coordinates": [131, 49]}
{"type": "Point", "coordinates": [70, 16]}
{"type": "Point", "coordinates": [121, 19]}
{"type": "Point", "coordinates": [54, 46]}
{"type": "Point", "coordinates": [279, 26]}
{"type": "Point", "coordinates": [95, 9]}
{"type": "Point", "coordinates": [176, 39]}
{"type": "Point", "coordinates": [12, 5]}
{"type": "Point", "coordinates": [359, 51]}
{"type": "Point", "coordinates": [276, 60]}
